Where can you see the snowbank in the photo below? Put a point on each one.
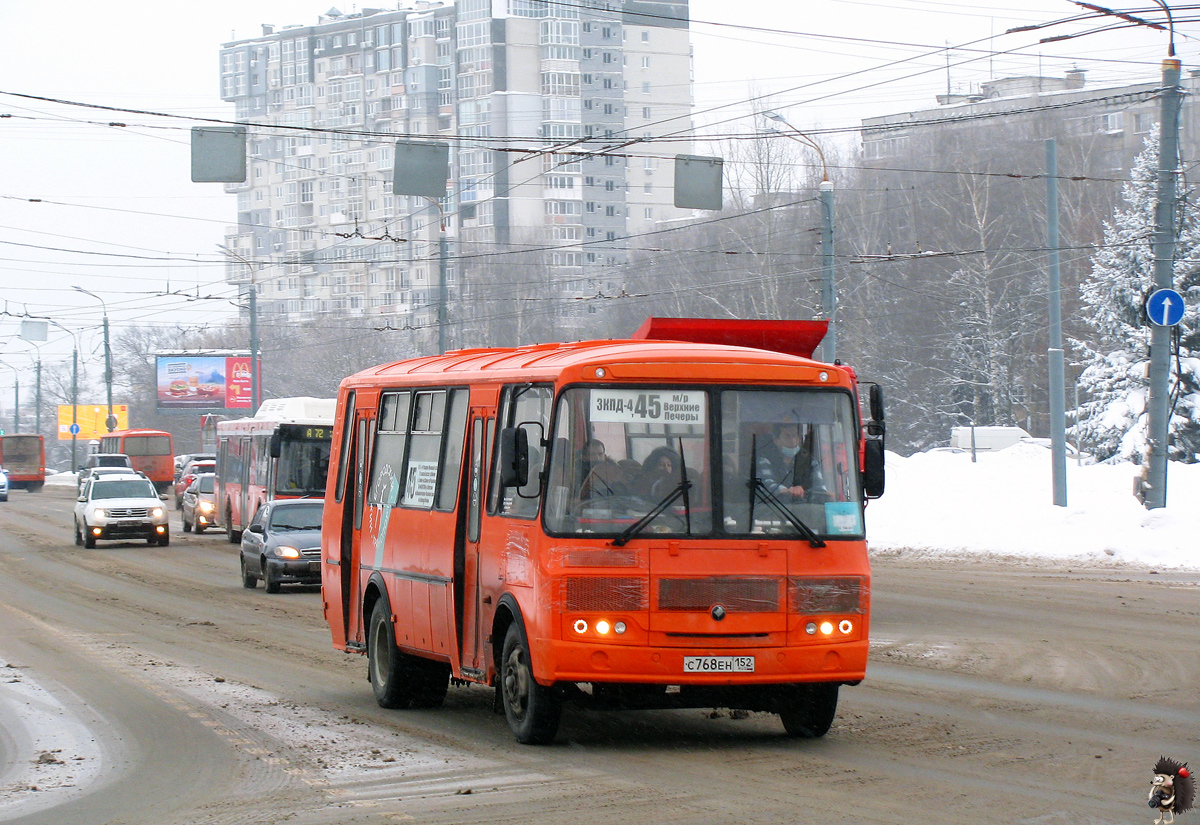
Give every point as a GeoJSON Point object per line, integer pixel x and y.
{"type": "Point", "coordinates": [940, 503]}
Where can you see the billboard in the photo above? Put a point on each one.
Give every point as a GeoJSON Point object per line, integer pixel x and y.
{"type": "Point", "coordinates": [203, 381]}
{"type": "Point", "coordinates": [90, 418]}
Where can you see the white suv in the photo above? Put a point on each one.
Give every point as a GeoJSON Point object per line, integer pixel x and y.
{"type": "Point", "coordinates": [120, 507]}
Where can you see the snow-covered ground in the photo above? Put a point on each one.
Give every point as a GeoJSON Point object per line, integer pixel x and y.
{"type": "Point", "coordinates": [941, 504]}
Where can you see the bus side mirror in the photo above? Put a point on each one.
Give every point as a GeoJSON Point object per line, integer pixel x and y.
{"type": "Point", "coordinates": [873, 468]}
{"type": "Point", "coordinates": [514, 457]}
{"type": "Point", "coordinates": [876, 427]}
{"type": "Point", "coordinates": [276, 445]}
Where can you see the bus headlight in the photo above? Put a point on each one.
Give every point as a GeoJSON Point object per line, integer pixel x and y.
{"type": "Point", "coordinates": [845, 626]}
{"type": "Point", "coordinates": [602, 627]}
{"type": "Point", "coordinates": [826, 628]}
{"type": "Point", "coordinates": [580, 626]}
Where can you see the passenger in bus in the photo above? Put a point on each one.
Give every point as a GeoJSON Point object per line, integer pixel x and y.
{"type": "Point", "coordinates": [660, 474]}
{"type": "Point", "coordinates": [785, 465]}
{"type": "Point", "coordinates": [600, 476]}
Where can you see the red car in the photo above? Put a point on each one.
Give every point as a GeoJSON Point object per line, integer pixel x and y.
{"type": "Point", "coordinates": [188, 474]}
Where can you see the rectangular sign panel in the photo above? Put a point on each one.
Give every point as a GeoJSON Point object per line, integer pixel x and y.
{"type": "Point", "coordinates": [90, 418]}
{"type": "Point", "coordinates": [203, 382]}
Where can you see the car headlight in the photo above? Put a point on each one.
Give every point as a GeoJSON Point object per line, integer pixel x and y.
{"type": "Point", "coordinates": [285, 552]}
{"type": "Point", "coordinates": [99, 512]}
{"type": "Point", "coordinates": [205, 507]}
{"type": "Point", "coordinates": [157, 512]}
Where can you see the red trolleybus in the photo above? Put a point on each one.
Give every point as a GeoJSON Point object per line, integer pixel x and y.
{"type": "Point", "coordinates": [23, 456]}
{"type": "Point", "coordinates": [470, 532]}
{"type": "Point", "coordinates": [281, 452]}
{"type": "Point", "coordinates": [150, 452]}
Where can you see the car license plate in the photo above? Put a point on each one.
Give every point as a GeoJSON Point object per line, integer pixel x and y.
{"type": "Point", "coordinates": [314, 567]}
{"type": "Point", "coordinates": [718, 664]}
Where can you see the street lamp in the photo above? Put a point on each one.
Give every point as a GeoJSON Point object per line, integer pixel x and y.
{"type": "Point", "coordinates": [253, 301]}
{"type": "Point", "coordinates": [828, 293]}
{"type": "Point", "coordinates": [16, 396]}
{"type": "Point", "coordinates": [74, 392]}
{"type": "Point", "coordinates": [110, 422]}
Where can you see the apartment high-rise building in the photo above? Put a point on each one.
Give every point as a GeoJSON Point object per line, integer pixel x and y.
{"type": "Point", "coordinates": [563, 119]}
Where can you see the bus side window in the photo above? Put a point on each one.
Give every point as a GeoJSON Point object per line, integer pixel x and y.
{"type": "Point", "coordinates": [344, 452]}
{"type": "Point", "coordinates": [387, 481]}
{"type": "Point", "coordinates": [452, 450]}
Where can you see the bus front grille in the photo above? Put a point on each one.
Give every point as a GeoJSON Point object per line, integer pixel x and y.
{"type": "Point", "coordinates": [592, 594]}
{"type": "Point", "coordinates": [736, 594]}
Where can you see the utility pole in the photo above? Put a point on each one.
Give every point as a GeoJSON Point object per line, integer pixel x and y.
{"type": "Point", "coordinates": [828, 293]}
{"type": "Point", "coordinates": [1154, 488]}
{"type": "Point", "coordinates": [1058, 402]}
{"type": "Point", "coordinates": [109, 422]}
{"type": "Point", "coordinates": [828, 347]}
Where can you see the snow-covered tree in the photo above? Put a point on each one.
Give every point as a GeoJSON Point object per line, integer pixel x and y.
{"type": "Point", "coordinates": [1112, 424]}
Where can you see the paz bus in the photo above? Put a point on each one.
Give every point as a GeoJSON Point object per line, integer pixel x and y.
{"type": "Point", "coordinates": [150, 452]}
{"type": "Point", "coordinates": [463, 538]}
{"type": "Point", "coordinates": [23, 456]}
{"type": "Point", "coordinates": [282, 451]}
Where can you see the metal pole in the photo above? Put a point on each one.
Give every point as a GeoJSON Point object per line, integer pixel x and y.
{"type": "Point", "coordinates": [1058, 402]}
{"type": "Point", "coordinates": [37, 413]}
{"type": "Point", "coordinates": [828, 293]}
{"type": "Point", "coordinates": [16, 402]}
{"type": "Point", "coordinates": [442, 314]}
{"type": "Point", "coordinates": [254, 392]}
{"type": "Point", "coordinates": [108, 375]}
{"type": "Point", "coordinates": [1155, 488]}
{"type": "Point", "coordinates": [74, 407]}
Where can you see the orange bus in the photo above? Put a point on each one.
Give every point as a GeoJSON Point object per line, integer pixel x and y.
{"type": "Point", "coordinates": [23, 456]}
{"type": "Point", "coordinates": [151, 452]}
{"type": "Point", "coordinates": [468, 533]}
{"type": "Point", "coordinates": [280, 452]}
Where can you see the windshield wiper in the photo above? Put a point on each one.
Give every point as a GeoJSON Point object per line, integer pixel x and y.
{"type": "Point", "coordinates": [680, 489]}
{"type": "Point", "coordinates": [758, 491]}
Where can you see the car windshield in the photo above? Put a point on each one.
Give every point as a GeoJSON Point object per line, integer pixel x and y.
{"type": "Point", "coordinates": [206, 484]}
{"type": "Point", "coordinates": [131, 488]}
{"type": "Point", "coordinates": [297, 517]}
{"type": "Point", "coordinates": [689, 461]}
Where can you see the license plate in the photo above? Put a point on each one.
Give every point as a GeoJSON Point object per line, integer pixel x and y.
{"type": "Point", "coordinates": [314, 567]}
{"type": "Point", "coordinates": [718, 664]}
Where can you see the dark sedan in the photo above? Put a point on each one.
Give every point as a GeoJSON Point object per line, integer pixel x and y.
{"type": "Point", "coordinates": [282, 545]}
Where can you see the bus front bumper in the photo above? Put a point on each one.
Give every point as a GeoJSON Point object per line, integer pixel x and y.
{"type": "Point", "coordinates": [561, 661]}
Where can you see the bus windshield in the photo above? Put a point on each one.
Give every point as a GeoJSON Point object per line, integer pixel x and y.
{"type": "Point", "coordinates": [303, 463]}
{"type": "Point", "coordinates": [689, 461]}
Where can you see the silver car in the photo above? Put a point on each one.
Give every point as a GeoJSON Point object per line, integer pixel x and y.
{"type": "Point", "coordinates": [120, 507]}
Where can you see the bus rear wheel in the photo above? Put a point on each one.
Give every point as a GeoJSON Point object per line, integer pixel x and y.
{"type": "Point", "coordinates": [807, 710]}
{"type": "Point", "coordinates": [533, 711]}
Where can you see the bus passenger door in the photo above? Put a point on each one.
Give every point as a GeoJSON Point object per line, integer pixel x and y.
{"type": "Point", "coordinates": [466, 548]}
{"type": "Point", "coordinates": [352, 519]}
{"type": "Point", "coordinates": [243, 515]}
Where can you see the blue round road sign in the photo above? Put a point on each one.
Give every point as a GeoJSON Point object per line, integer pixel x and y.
{"type": "Point", "coordinates": [1164, 307]}
{"type": "Point", "coordinates": [74, 429]}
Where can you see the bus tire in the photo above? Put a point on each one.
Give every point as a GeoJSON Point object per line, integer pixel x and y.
{"type": "Point", "coordinates": [807, 710]}
{"type": "Point", "coordinates": [388, 668]}
{"type": "Point", "coordinates": [533, 711]}
{"type": "Point", "coordinates": [234, 536]}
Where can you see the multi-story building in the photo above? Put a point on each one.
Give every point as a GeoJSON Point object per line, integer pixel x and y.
{"type": "Point", "coordinates": [562, 118]}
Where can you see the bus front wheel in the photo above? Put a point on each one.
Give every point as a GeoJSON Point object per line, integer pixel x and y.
{"type": "Point", "coordinates": [533, 711]}
{"type": "Point", "coordinates": [807, 710]}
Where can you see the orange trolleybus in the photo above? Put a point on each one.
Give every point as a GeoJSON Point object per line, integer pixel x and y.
{"type": "Point", "coordinates": [150, 452]}
{"type": "Point", "coordinates": [601, 522]}
{"type": "Point", "coordinates": [280, 452]}
{"type": "Point", "coordinates": [23, 456]}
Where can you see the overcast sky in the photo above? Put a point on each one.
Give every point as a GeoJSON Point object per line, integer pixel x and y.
{"type": "Point", "coordinates": [119, 216]}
